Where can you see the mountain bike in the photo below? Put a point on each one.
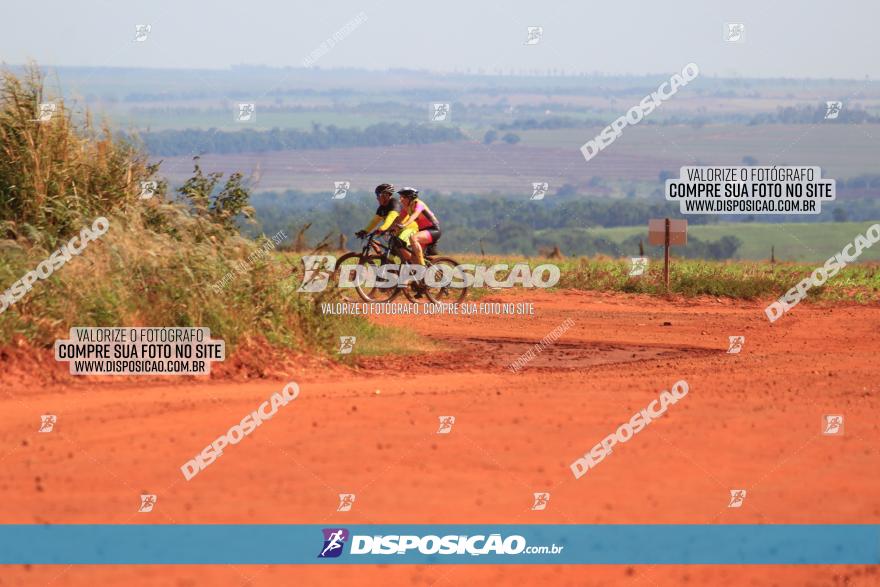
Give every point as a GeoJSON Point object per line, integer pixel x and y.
{"type": "Point", "coordinates": [385, 249]}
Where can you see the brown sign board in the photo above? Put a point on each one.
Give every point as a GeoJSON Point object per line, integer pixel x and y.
{"type": "Point", "coordinates": [678, 234]}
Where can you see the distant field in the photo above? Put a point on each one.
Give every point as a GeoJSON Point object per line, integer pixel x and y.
{"type": "Point", "coordinates": [793, 242]}
{"type": "Point", "coordinates": [840, 150]}
{"type": "Point", "coordinates": [639, 155]}
{"type": "Point", "coordinates": [446, 167]}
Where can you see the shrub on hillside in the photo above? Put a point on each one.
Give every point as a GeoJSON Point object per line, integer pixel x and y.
{"type": "Point", "coordinates": [161, 263]}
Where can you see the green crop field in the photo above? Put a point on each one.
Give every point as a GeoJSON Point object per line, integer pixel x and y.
{"type": "Point", "coordinates": [157, 119]}
{"type": "Point", "coordinates": [794, 242]}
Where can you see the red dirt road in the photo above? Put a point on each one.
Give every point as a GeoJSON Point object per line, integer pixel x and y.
{"type": "Point", "coordinates": [750, 421]}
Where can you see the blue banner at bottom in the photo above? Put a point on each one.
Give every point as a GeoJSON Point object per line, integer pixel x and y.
{"type": "Point", "coordinates": [745, 544]}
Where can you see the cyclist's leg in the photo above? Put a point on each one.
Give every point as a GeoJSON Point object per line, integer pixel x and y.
{"type": "Point", "coordinates": [431, 248]}
{"type": "Point", "coordinates": [404, 254]}
{"type": "Point", "coordinates": [429, 236]}
{"type": "Point", "coordinates": [428, 240]}
{"type": "Point", "coordinates": [420, 242]}
{"type": "Point", "coordinates": [418, 252]}
{"type": "Point", "coordinates": [397, 248]}
{"type": "Point", "coordinates": [406, 235]}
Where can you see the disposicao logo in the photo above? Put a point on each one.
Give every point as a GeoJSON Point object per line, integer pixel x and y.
{"type": "Point", "coordinates": [334, 540]}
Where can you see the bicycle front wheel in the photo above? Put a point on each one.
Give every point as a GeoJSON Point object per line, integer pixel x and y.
{"type": "Point", "coordinates": [343, 263]}
{"type": "Point", "coordinates": [366, 284]}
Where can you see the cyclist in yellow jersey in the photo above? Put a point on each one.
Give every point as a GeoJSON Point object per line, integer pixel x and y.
{"type": "Point", "coordinates": [388, 211]}
{"type": "Point", "coordinates": [420, 226]}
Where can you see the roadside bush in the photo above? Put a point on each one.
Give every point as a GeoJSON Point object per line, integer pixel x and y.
{"type": "Point", "coordinates": [161, 263]}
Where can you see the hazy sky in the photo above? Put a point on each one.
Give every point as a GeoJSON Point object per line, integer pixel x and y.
{"type": "Point", "coordinates": [793, 39]}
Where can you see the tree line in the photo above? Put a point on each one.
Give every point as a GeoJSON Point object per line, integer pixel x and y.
{"type": "Point", "coordinates": [487, 224]}
{"type": "Point", "coordinates": [169, 143]}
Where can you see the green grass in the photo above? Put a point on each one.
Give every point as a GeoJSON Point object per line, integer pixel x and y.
{"type": "Point", "coordinates": [743, 280]}
{"type": "Point", "coordinates": [801, 242]}
{"type": "Point", "coordinates": [858, 283]}
{"type": "Point", "coordinates": [133, 277]}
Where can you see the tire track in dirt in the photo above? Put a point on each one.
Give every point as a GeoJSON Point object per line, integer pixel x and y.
{"type": "Point", "coordinates": [497, 354]}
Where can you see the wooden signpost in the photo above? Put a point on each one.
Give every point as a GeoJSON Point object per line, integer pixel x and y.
{"type": "Point", "coordinates": [666, 232]}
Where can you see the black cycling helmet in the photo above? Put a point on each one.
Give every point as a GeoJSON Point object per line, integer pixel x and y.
{"type": "Point", "coordinates": [383, 188]}
{"type": "Point", "coordinates": [409, 192]}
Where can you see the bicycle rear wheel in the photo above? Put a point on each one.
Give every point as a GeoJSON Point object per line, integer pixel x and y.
{"type": "Point", "coordinates": [452, 293]}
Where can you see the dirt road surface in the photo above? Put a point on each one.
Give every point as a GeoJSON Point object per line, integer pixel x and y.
{"type": "Point", "coordinates": [750, 421]}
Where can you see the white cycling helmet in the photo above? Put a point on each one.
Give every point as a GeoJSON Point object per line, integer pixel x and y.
{"type": "Point", "coordinates": [408, 191]}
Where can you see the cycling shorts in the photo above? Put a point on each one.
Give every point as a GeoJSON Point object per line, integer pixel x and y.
{"type": "Point", "coordinates": [433, 234]}
{"type": "Point", "coordinates": [407, 232]}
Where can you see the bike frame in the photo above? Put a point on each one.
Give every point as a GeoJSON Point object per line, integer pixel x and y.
{"type": "Point", "coordinates": [380, 248]}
